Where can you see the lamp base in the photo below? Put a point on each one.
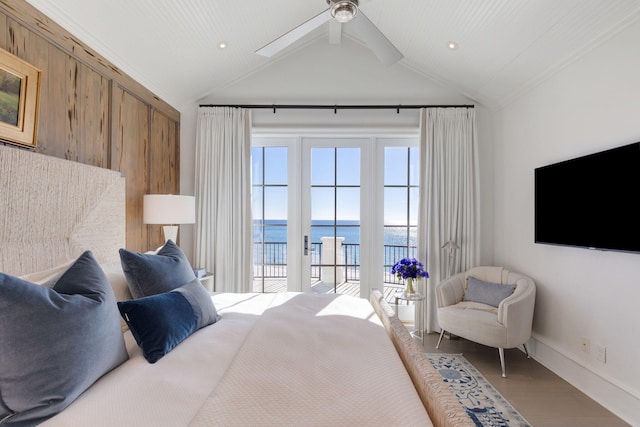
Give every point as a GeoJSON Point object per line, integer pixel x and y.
{"type": "Point", "coordinates": [170, 233]}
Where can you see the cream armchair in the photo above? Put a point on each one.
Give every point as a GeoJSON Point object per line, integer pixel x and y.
{"type": "Point", "coordinates": [506, 326]}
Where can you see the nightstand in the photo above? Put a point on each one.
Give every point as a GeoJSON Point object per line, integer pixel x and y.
{"type": "Point", "coordinates": [207, 281]}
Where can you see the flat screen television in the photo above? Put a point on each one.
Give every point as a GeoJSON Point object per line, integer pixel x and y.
{"type": "Point", "coordinates": [590, 201]}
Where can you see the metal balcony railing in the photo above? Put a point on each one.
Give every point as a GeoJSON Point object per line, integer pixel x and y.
{"type": "Point", "coordinates": [270, 260]}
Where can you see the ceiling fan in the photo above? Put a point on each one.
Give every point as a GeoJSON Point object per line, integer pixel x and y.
{"type": "Point", "coordinates": [340, 12]}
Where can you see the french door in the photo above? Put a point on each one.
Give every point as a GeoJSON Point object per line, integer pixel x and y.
{"type": "Point", "coordinates": [335, 187]}
{"type": "Point", "coordinates": [332, 214]}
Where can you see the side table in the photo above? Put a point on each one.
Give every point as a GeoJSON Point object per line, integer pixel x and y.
{"type": "Point", "coordinates": [207, 281]}
{"type": "Point", "coordinates": [418, 300]}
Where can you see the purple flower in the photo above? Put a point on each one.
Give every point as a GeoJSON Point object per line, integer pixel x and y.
{"type": "Point", "coordinates": [409, 268]}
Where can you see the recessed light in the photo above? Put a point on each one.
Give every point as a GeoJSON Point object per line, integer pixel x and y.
{"type": "Point", "coordinates": [223, 44]}
{"type": "Point", "coordinates": [452, 45]}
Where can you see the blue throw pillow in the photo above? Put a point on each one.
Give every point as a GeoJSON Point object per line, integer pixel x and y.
{"type": "Point", "coordinates": [55, 342]}
{"type": "Point", "coordinates": [151, 274]}
{"type": "Point", "coordinates": [161, 322]}
{"type": "Point", "coordinates": [486, 292]}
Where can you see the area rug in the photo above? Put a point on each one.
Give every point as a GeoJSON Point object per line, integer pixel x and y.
{"type": "Point", "coordinates": [484, 404]}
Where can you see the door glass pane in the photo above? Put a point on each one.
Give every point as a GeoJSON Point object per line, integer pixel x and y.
{"type": "Point", "coordinates": [348, 204]}
{"type": "Point", "coordinates": [275, 166]}
{"type": "Point", "coordinates": [414, 166]}
{"type": "Point", "coordinates": [322, 203]}
{"type": "Point", "coordinates": [256, 202]}
{"type": "Point", "coordinates": [269, 198]}
{"type": "Point", "coordinates": [335, 220]}
{"type": "Point", "coordinates": [395, 165]}
{"type": "Point", "coordinates": [275, 204]}
{"type": "Point", "coordinates": [256, 165]}
{"type": "Point", "coordinates": [414, 197]}
{"type": "Point", "coordinates": [348, 172]}
{"type": "Point", "coordinates": [401, 198]}
{"type": "Point", "coordinates": [395, 205]}
{"type": "Point", "coordinates": [323, 166]}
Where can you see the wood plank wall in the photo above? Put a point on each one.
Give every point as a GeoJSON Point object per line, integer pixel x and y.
{"type": "Point", "coordinates": [91, 112]}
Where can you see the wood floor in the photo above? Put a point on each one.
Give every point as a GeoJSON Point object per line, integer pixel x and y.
{"type": "Point", "coordinates": [541, 397]}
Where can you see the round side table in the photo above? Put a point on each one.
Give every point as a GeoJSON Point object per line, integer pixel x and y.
{"type": "Point", "coordinates": [418, 300]}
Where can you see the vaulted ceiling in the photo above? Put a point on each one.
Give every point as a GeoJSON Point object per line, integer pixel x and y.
{"type": "Point", "coordinates": [504, 46]}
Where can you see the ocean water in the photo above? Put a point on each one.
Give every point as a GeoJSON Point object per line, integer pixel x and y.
{"type": "Point", "coordinates": [275, 231]}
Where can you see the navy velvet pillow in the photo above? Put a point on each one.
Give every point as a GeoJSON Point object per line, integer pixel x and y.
{"type": "Point", "coordinates": [151, 274]}
{"type": "Point", "coordinates": [161, 322]}
{"type": "Point", "coordinates": [55, 342]}
{"type": "Point", "coordinates": [486, 292]}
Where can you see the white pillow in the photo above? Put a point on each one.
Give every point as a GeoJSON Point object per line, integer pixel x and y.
{"type": "Point", "coordinates": [48, 277]}
{"type": "Point", "coordinates": [118, 281]}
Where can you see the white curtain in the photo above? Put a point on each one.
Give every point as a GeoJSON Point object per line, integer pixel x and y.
{"type": "Point", "coordinates": [449, 199]}
{"type": "Point", "coordinates": [223, 238]}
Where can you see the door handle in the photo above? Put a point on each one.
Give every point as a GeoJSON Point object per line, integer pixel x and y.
{"type": "Point", "coordinates": [306, 245]}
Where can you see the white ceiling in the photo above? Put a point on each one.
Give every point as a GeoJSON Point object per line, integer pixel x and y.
{"type": "Point", "coordinates": [505, 46]}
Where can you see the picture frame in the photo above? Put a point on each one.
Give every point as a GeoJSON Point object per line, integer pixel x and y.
{"type": "Point", "coordinates": [19, 101]}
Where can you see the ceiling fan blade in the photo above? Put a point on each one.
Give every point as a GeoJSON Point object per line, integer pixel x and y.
{"type": "Point", "coordinates": [335, 32]}
{"type": "Point", "coordinates": [375, 40]}
{"type": "Point", "coordinates": [294, 35]}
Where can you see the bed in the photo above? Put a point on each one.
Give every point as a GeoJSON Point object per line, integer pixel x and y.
{"type": "Point", "coordinates": [262, 359]}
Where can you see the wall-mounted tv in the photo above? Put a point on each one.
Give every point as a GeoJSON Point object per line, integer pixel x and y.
{"type": "Point", "coordinates": [591, 201]}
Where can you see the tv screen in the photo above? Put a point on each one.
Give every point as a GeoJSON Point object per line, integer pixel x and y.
{"type": "Point", "coordinates": [590, 201]}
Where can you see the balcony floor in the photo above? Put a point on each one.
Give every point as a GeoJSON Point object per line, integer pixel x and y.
{"type": "Point", "coordinates": [349, 288]}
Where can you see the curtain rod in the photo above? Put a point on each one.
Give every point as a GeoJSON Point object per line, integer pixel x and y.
{"type": "Point", "coordinates": [336, 107]}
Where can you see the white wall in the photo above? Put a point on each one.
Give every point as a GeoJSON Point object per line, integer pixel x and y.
{"type": "Point", "coordinates": [590, 105]}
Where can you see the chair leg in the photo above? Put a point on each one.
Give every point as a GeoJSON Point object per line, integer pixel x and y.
{"type": "Point", "coordinates": [526, 351]}
{"type": "Point", "coordinates": [440, 339]}
{"type": "Point", "coordinates": [501, 351]}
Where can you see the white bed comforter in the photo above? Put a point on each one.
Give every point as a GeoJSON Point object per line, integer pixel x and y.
{"type": "Point", "coordinates": [273, 360]}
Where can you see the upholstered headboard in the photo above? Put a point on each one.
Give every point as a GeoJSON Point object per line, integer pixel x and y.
{"type": "Point", "coordinates": [51, 210]}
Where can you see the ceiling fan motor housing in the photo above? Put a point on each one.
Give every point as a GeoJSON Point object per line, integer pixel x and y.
{"type": "Point", "coordinates": [343, 10]}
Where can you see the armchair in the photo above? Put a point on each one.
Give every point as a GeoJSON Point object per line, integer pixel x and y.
{"type": "Point", "coordinates": [506, 326]}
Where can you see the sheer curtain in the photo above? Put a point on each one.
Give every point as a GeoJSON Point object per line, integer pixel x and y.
{"type": "Point", "coordinates": [223, 238]}
{"type": "Point", "coordinates": [449, 199]}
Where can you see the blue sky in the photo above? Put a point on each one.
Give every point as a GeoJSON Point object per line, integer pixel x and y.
{"type": "Point", "coordinates": [397, 171]}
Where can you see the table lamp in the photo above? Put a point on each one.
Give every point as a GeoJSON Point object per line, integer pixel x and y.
{"type": "Point", "coordinates": [170, 210]}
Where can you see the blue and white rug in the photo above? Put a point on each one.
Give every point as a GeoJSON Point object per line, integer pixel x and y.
{"type": "Point", "coordinates": [484, 404]}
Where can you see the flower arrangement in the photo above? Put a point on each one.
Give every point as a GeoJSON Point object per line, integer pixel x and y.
{"type": "Point", "coordinates": [409, 269]}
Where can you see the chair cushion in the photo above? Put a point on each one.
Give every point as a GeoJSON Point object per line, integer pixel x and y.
{"type": "Point", "coordinates": [55, 342]}
{"type": "Point", "coordinates": [474, 321]}
{"type": "Point", "coordinates": [151, 274]}
{"type": "Point", "coordinates": [486, 292]}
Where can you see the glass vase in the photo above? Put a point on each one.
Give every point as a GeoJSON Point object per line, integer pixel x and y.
{"type": "Point", "coordinates": [408, 287]}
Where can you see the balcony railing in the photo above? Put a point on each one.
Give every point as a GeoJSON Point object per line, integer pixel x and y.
{"type": "Point", "coordinates": [270, 260]}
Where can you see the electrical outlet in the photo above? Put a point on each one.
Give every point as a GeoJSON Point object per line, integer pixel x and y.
{"type": "Point", "coordinates": [585, 345]}
{"type": "Point", "coordinates": [601, 353]}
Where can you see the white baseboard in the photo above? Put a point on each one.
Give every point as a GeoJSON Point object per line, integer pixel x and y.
{"type": "Point", "coordinates": [618, 398]}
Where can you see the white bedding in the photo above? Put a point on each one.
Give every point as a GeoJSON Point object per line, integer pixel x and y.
{"type": "Point", "coordinates": [324, 368]}
{"type": "Point", "coordinates": [315, 360]}
{"type": "Point", "coordinates": [169, 392]}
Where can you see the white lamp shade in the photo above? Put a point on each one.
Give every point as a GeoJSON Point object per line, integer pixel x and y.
{"type": "Point", "coordinates": [169, 209]}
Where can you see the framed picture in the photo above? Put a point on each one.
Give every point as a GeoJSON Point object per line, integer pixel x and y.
{"type": "Point", "coordinates": [19, 95]}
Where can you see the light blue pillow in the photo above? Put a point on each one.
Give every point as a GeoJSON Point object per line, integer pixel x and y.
{"type": "Point", "coordinates": [55, 342]}
{"type": "Point", "coordinates": [160, 322]}
{"type": "Point", "coordinates": [151, 274]}
{"type": "Point", "coordinates": [486, 292]}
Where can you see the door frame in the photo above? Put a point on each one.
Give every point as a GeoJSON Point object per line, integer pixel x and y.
{"type": "Point", "coordinates": [371, 276]}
